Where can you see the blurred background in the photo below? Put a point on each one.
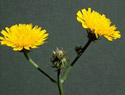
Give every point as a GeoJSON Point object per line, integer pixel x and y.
{"type": "Point", "coordinates": [99, 71]}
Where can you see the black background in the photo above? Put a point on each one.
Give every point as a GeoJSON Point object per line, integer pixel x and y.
{"type": "Point", "coordinates": [100, 71]}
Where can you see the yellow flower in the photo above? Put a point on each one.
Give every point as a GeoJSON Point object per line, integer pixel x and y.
{"type": "Point", "coordinates": [98, 24]}
{"type": "Point", "coordinates": [23, 36]}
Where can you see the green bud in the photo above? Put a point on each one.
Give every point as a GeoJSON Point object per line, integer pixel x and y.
{"type": "Point", "coordinates": [78, 49]}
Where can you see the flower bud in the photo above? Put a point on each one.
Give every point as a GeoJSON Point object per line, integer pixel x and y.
{"type": "Point", "coordinates": [78, 49]}
{"type": "Point", "coordinates": [59, 59]}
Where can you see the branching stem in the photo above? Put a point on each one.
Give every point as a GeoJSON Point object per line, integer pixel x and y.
{"type": "Point", "coordinates": [74, 61]}
{"type": "Point", "coordinates": [59, 82]}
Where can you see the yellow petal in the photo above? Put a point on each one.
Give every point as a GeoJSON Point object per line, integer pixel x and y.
{"type": "Point", "coordinates": [23, 36]}
{"type": "Point", "coordinates": [98, 24]}
{"type": "Point", "coordinates": [17, 48]}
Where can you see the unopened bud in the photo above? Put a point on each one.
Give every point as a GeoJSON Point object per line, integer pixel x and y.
{"type": "Point", "coordinates": [78, 49]}
{"type": "Point", "coordinates": [59, 59]}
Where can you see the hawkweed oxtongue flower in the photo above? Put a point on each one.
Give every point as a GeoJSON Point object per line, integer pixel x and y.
{"type": "Point", "coordinates": [23, 37]}
{"type": "Point", "coordinates": [59, 59]}
{"type": "Point", "coordinates": [97, 25]}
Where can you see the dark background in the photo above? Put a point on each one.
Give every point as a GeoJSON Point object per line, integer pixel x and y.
{"type": "Point", "coordinates": [100, 71]}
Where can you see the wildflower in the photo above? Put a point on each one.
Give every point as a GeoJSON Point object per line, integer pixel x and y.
{"type": "Point", "coordinates": [23, 36]}
{"type": "Point", "coordinates": [98, 24]}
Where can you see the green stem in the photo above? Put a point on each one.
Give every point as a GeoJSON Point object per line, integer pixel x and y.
{"type": "Point", "coordinates": [31, 61]}
{"type": "Point", "coordinates": [66, 73]}
{"type": "Point", "coordinates": [82, 51]}
{"type": "Point", "coordinates": [37, 67]}
{"type": "Point", "coordinates": [74, 61]}
{"type": "Point", "coordinates": [59, 82]}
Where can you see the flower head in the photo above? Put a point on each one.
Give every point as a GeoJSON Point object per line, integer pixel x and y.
{"type": "Point", "coordinates": [98, 24]}
{"type": "Point", "coordinates": [23, 36]}
{"type": "Point", "coordinates": [59, 58]}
